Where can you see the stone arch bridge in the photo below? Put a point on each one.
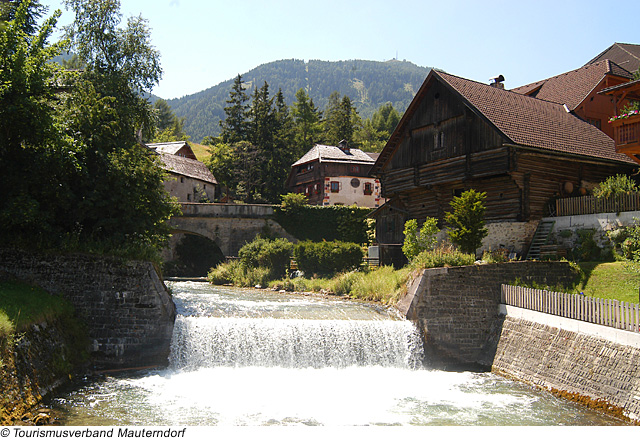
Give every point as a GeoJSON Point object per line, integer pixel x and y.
{"type": "Point", "coordinates": [230, 226]}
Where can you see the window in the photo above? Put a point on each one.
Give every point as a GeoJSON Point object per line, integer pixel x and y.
{"type": "Point", "coordinates": [438, 140]}
{"type": "Point", "coordinates": [335, 187]}
{"type": "Point", "coordinates": [355, 168]}
{"type": "Point", "coordinates": [181, 179]}
{"type": "Point", "coordinates": [368, 189]}
{"type": "Point", "coordinates": [594, 122]}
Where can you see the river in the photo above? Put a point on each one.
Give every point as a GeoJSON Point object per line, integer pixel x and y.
{"type": "Point", "coordinates": [243, 357]}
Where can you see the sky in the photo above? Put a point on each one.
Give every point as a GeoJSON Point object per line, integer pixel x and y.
{"type": "Point", "coordinates": [205, 42]}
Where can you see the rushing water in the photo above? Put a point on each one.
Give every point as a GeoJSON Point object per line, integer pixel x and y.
{"type": "Point", "coordinates": [245, 357]}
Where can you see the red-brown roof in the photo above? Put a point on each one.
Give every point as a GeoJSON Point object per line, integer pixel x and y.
{"type": "Point", "coordinates": [625, 55]}
{"type": "Point", "coordinates": [571, 88]}
{"type": "Point", "coordinates": [523, 120]}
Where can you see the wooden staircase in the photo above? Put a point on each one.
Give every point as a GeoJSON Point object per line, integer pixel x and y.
{"type": "Point", "coordinates": [540, 238]}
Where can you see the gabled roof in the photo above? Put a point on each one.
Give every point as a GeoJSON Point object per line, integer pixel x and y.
{"type": "Point", "coordinates": [572, 88]}
{"type": "Point", "coordinates": [327, 153]}
{"type": "Point", "coordinates": [523, 120]}
{"type": "Point", "coordinates": [187, 167]}
{"type": "Point", "coordinates": [625, 55]}
{"type": "Point", "coordinates": [170, 147]}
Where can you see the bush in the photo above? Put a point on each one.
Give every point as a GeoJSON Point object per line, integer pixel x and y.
{"type": "Point", "coordinates": [384, 284]}
{"type": "Point", "coordinates": [236, 273]}
{"type": "Point", "coordinates": [444, 255]}
{"type": "Point", "coordinates": [614, 185]}
{"type": "Point", "coordinates": [467, 220]}
{"type": "Point", "coordinates": [327, 257]}
{"type": "Point", "coordinates": [416, 241]}
{"type": "Point", "coordinates": [336, 222]}
{"type": "Point", "coordinates": [273, 255]}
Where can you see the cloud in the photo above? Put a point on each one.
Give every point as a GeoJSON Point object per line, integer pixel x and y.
{"type": "Point", "coordinates": [174, 3]}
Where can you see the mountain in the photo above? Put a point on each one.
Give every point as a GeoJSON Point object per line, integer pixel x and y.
{"type": "Point", "coordinates": [369, 84]}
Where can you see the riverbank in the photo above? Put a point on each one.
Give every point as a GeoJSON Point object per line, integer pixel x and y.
{"type": "Point", "coordinates": [42, 346]}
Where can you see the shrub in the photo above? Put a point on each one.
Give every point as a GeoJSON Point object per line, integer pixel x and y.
{"type": "Point", "coordinates": [384, 284]}
{"type": "Point", "coordinates": [416, 241]}
{"type": "Point", "coordinates": [293, 202]}
{"type": "Point", "coordinates": [467, 220]}
{"type": "Point", "coordinates": [444, 255]}
{"type": "Point", "coordinates": [614, 185]}
{"type": "Point", "coordinates": [274, 255]}
{"type": "Point", "coordinates": [327, 257]}
{"type": "Point", "coordinates": [238, 274]}
{"type": "Point", "coordinates": [335, 222]}
{"type": "Point", "coordinates": [497, 256]}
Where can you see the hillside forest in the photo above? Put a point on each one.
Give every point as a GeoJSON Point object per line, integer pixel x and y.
{"type": "Point", "coordinates": [368, 84]}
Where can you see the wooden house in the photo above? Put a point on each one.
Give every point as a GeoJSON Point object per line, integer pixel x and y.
{"type": "Point", "coordinates": [189, 179]}
{"type": "Point", "coordinates": [459, 134]}
{"type": "Point", "coordinates": [336, 175]}
{"type": "Point", "coordinates": [624, 55]}
{"type": "Point", "coordinates": [625, 124]}
{"type": "Point", "coordinates": [579, 91]}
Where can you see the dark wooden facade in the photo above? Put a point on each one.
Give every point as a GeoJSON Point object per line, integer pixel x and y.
{"type": "Point", "coordinates": [444, 146]}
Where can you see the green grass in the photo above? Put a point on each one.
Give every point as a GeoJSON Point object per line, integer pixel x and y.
{"type": "Point", "coordinates": [22, 305]}
{"type": "Point", "coordinates": [616, 280]}
{"type": "Point", "coordinates": [201, 151]}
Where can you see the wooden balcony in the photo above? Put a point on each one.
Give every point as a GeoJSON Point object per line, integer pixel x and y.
{"type": "Point", "coordinates": [627, 135]}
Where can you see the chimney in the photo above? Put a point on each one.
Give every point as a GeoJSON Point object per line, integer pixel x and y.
{"type": "Point", "coordinates": [497, 82]}
{"type": "Point", "coordinates": [343, 146]}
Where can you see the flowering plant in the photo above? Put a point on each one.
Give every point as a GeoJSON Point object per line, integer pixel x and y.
{"type": "Point", "coordinates": [625, 115]}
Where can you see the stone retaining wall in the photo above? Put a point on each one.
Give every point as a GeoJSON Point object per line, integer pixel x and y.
{"type": "Point", "coordinates": [35, 363]}
{"type": "Point", "coordinates": [457, 308]}
{"type": "Point", "coordinates": [584, 367]}
{"type": "Point", "coordinates": [125, 305]}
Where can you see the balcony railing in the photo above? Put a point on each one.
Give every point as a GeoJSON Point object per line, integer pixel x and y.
{"type": "Point", "coordinates": [627, 134]}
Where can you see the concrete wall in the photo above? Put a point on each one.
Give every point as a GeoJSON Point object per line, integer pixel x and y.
{"type": "Point", "coordinates": [188, 189]}
{"type": "Point", "coordinates": [600, 223]}
{"type": "Point", "coordinates": [457, 308]}
{"type": "Point", "coordinates": [126, 306]}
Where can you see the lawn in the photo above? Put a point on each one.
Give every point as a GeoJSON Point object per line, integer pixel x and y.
{"type": "Point", "coordinates": [201, 151]}
{"type": "Point", "coordinates": [610, 281]}
{"type": "Point", "coordinates": [22, 305]}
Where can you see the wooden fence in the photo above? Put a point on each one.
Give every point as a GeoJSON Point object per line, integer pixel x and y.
{"type": "Point", "coordinates": [612, 313]}
{"type": "Point", "coordinates": [593, 205]}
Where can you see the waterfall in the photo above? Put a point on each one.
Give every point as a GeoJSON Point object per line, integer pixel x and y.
{"type": "Point", "coordinates": [293, 343]}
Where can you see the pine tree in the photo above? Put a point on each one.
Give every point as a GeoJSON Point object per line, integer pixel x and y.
{"type": "Point", "coordinates": [234, 127]}
{"type": "Point", "coordinates": [307, 121]}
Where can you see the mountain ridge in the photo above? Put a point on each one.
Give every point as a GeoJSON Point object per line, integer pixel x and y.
{"type": "Point", "coordinates": [369, 84]}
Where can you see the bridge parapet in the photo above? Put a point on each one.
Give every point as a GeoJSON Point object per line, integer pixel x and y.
{"type": "Point", "coordinates": [227, 210]}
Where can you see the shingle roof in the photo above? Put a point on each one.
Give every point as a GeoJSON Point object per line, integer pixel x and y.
{"type": "Point", "coordinates": [168, 147]}
{"type": "Point", "coordinates": [327, 153]}
{"type": "Point", "coordinates": [625, 55]}
{"type": "Point", "coordinates": [534, 122]}
{"type": "Point", "coordinates": [571, 88]}
{"type": "Point", "coordinates": [187, 167]}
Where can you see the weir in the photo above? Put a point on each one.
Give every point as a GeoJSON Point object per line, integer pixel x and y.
{"type": "Point", "coordinates": [253, 358]}
{"type": "Point", "coordinates": [293, 343]}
